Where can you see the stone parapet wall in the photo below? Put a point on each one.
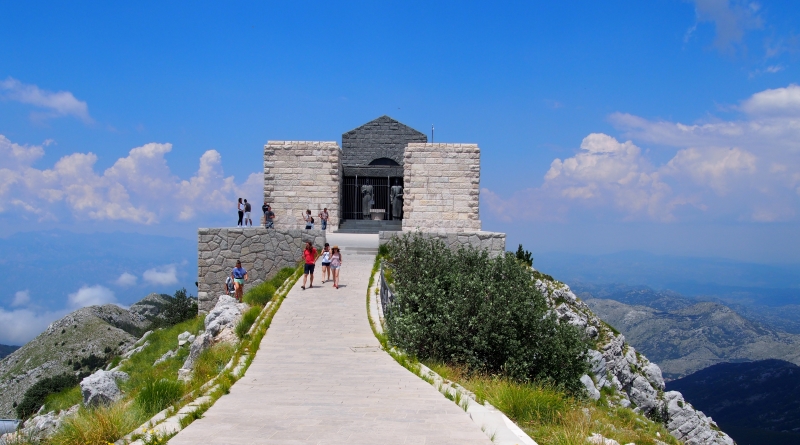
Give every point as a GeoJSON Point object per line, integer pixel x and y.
{"type": "Point", "coordinates": [494, 242]}
{"type": "Point", "coordinates": [442, 187]}
{"type": "Point", "coordinates": [263, 252]}
{"type": "Point", "coordinates": [300, 175]}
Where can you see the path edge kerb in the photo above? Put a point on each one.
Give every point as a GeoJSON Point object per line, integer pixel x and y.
{"type": "Point", "coordinates": [493, 422]}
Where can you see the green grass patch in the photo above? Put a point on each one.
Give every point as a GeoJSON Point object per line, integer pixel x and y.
{"type": "Point", "coordinates": [248, 318]}
{"type": "Point", "coordinates": [159, 394]}
{"type": "Point", "coordinates": [211, 362]}
{"type": "Point", "coordinates": [260, 295]}
{"type": "Point", "coordinates": [64, 399]}
{"type": "Point", "coordinates": [98, 426]}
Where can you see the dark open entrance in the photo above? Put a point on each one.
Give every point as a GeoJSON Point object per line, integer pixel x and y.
{"type": "Point", "coordinates": [352, 196]}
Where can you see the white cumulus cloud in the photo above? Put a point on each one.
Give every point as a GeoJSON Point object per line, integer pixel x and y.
{"type": "Point", "coordinates": [747, 169]}
{"type": "Point", "coordinates": [164, 276]}
{"type": "Point", "coordinates": [19, 326]}
{"type": "Point", "coordinates": [61, 103]}
{"type": "Point", "coordinates": [126, 279]}
{"type": "Point", "coordinates": [91, 296]}
{"type": "Point", "coordinates": [21, 298]}
{"type": "Point", "coordinates": [139, 188]}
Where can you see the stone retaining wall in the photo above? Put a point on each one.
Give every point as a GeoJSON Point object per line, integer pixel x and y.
{"type": "Point", "coordinates": [263, 252]}
{"type": "Point", "coordinates": [442, 187]}
{"type": "Point", "coordinates": [494, 242]}
{"type": "Point", "coordinates": [300, 175]}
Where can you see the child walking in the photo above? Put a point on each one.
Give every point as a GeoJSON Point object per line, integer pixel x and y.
{"type": "Point", "coordinates": [336, 264]}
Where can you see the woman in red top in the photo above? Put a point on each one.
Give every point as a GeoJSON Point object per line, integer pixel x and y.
{"type": "Point", "coordinates": [310, 255]}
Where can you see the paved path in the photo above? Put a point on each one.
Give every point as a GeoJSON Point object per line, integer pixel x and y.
{"type": "Point", "coordinates": [306, 385]}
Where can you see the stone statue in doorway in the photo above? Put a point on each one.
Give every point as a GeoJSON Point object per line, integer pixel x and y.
{"type": "Point", "coordinates": [396, 198]}
{"type": "Point", "coordinates": [366, 201]}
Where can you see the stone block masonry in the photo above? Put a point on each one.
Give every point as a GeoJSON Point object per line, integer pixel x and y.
{"type": "Point", "coordinates": [494, 242]}
{"type": "Point", "coordinates": [263, 252]}
{"type": "Point", "coordinates": [442, 187]}
{"type": "Point", "coordinates": [300, 175]}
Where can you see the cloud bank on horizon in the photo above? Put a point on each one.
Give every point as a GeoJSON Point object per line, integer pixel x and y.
{"type": "Point", "coordinates": [744, 170]}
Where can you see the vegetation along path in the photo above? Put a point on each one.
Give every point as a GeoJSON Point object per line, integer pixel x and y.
{"type": "Point", "coordinates": [320, 377]}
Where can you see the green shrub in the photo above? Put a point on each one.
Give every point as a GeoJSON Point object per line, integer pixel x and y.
{"type": "Point", "coordinates": [483, 313]}
{"type": "Point", "coordinates": [159, 394]}
{"type": "Point", "coordinates": [282, 275]}
{"type": "Point", "coordinates": [260, 295]}
{"type": "Point", "coordinates": [524, 256]}
{"type": "Point", "coordinates": [211, 362]}
{"type": "Point", "coordinates": [97, 426]}
{"type": "Point", "coordinates": [36, 395]}
{"type": "Point", "coordinates": [248, 318]}
{"type": "Point", "coordinates": [179, 308]}
{"type": "Point", "coordinates": [64, 399]}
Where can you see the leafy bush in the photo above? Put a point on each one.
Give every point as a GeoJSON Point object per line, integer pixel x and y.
{"type": "Point", "coordinates": [179, 308]}
{"type": "Point", "coordinates": [248, 318]}
{"type": "Point", "coordinates": [483, 313]}
{"type": "Point", "coordinates": [159, 394]}
{"type": "Point", "coordinates": [36, 395]}
{"type": "Point", "coordinates": [260, 295]}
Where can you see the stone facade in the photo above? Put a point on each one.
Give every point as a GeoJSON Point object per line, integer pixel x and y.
{"type": "Point", "coordinates": [300, 175]}
{"type": "Point", "coordinates": [494, 242]}
{"type": "Point", "coordinates": [263, 252]}
{"type": "Point", "coordinates": [383, 137]}
{"type": "Point", "coordinates": [442, 187]}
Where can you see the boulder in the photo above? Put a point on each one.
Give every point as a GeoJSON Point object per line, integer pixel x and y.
{"type": "Point", "coordinates": [594, 394]}
{"type": "Point", "coordinates": [183, 338]}
{"type": "Point", "coordinates": [220, 325]}
{"type": "Point", "coordinates": [598, 439]}
{"type": "Point", "coordinates": [101, 387]}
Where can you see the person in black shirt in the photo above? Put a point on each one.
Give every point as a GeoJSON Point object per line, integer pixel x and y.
{"type": "Point", "coordinates": [269, 216]}
{"type": "Point", "coordinates": [247, 209]}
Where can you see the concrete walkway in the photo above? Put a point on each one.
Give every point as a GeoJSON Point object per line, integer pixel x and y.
{"type": "Point", "coordinates": [320, 378]}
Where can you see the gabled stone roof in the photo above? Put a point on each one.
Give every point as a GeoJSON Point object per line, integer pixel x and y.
{"type": "Point", "coordinates": [383, 137]}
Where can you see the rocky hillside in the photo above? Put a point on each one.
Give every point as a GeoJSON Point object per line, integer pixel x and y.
{"type": "Point", "coordinates": [762, 395]}
{"type": "Point", "coordinates": [6, 350]}
{"type": "Point", "coordinates": [80, 342]}
{"type": "Point", "coordinates": [684, 338]}
{"type": "Point", "coordinates": [622, 376]}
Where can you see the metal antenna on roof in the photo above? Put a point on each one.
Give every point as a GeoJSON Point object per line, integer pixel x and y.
{"type": "Point", "coordinates": [431, 133]}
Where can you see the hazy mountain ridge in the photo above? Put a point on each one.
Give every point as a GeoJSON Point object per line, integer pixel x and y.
{"type": "Point", "coordinates": [761, 395]}
{"type": "Point", "coordinates": [685, 338]}
{"type": "Point", "coordinates": [5, 350]}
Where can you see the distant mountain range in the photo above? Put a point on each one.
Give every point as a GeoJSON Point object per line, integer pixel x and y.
{"type": "Point", "coordinates": [684, 335]}
{"type": "Point", "coordinates": [6, 350]}
{"type": "Point", "coordinates": [746, 399]}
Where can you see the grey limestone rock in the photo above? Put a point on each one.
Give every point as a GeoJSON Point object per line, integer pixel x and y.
{"type": "Point", "coordinates": [594, 394]}
{"type": "Point", "coordinates": [167, 355]}
{"type": "Point", "coordinates": [101, 387]}
{"type": "Point", "coordinates": [219, 326]}
{"type": "Point", "coordinates": [183, 338]}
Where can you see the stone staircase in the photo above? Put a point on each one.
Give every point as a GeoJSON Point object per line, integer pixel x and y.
{"type": "Point", "coordinates": [369, 226]}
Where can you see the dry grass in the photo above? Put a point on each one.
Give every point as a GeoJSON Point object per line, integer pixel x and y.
{"type": "Point", "coordinates": [98, 426]}
{"type": "Point", "coordinates": [551, 417]}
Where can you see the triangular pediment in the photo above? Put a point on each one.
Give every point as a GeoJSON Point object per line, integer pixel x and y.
{"type": "Point", "coordinates": [393, 124]}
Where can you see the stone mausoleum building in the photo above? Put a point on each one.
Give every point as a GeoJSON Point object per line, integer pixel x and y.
{"type": "Point", "coordinates": [385, 178]}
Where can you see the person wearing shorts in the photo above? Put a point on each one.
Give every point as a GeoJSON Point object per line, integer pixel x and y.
{"type": "Point", "coordinates": [336, 264]}
{"type": "Point", "coordinates": [326, 263]}
{"type": "Point", "coordinates": [247, 209]}
{"type": "Point", "coordinates": [239, 275]}
{"type": "Point", "coordinates": [310, 257]}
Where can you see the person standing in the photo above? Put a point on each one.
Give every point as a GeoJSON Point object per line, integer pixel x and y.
{"type": "Point", "coordinates": [326, 263]}
{"type": "Point", "coordinates": [269, 216]}
{"type": "Point", "coordinates": [239, 275]}
{"type": "Point", "coordinates": [310, 257]}
{"type": "Point", "coordinates": [240, 209]}
{"type": "Point", "coordinates": [323, 216]}
{"type": "Point", "coordinates": [247, 209]}
{"type": "Point", "coordinates": [309, 220]}
{"type": "Point", "coordinates": [336, 264]}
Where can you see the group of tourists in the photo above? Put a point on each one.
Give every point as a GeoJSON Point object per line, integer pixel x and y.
{"type": "Point", "coordinates": [331, 261]}
{"type": "Point", "coordinates": [244, 209]}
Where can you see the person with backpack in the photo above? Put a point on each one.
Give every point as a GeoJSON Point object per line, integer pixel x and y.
{"type": "Point", "coordinates": [247, 209]}
{"type": "Point", "coordinates": [310, 257]}
{"type": "Point", "coordinates": [309, 220]}
{"type": "Point", "coordinates": [323, 216]}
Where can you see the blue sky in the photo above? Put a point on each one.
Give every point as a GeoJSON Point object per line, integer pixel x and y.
{"type": "Point", "coordinates": [669, 127]}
